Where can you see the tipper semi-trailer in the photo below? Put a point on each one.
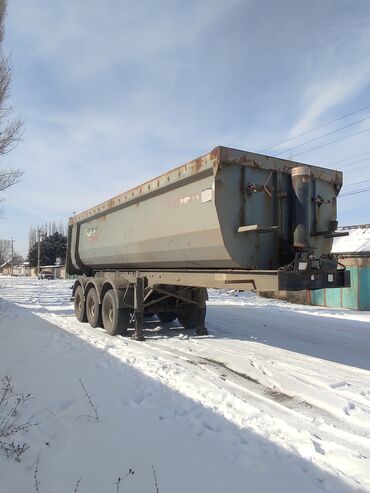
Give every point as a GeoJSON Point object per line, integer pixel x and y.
{"type": "Point", "coordinates": [230, 219]}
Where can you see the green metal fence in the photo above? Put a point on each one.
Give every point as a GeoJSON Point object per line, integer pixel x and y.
{"type": "Point", "coordinates": [357, 297]}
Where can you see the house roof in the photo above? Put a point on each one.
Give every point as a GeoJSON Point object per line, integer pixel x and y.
{"type": "Point", "coordinates": [357, 241]}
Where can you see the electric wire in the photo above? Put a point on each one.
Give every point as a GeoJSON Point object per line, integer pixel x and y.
{"type": "Point", "coordinates": [349, 158]}
{"type": "Point", "coordinates": [355, 192]}
{"type": "Point", "coordinates": [356, 161]}
{"type": "Point", "coordinates": [333, 142]}
{"type": "Point", "coordinates": [367, 166]}
{"type": "Point", "coordinates": [315, 128]}
{"type": "Point", "coordinates": [356, 183]}
{"type": "Point", "coordinates": [322, 136]}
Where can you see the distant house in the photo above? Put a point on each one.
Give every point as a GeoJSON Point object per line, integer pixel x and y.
{"type": "Point", "coordinates": [22, 269]}
{"type": "Point", "coordinates": [6, 268]}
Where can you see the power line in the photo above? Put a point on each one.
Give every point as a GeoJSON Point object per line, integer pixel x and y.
{"type": "Point", "coordinates": [356, 161]}
{"type": "Point", "coordinates": [355, 192]}
{"type": "Point", "coordinates": [349, 158]}
{"type": "Point", "coordinates": [356, 183]}
{"type": "Point", "coordinates": [315, 128]}
{"type": "Point", "coordinates": [333, 142]}
{"type": "Point", "coordinates": [321, 136]}
{"type": "Point", "coordinates": [358, 169]}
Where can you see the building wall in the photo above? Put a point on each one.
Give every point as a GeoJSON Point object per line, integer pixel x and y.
{"type": "Point", "coordinates": [357, 297]}
{"type": "Point", "coordinates": [18, 270]}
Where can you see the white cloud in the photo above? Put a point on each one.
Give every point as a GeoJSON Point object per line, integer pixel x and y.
{"type": "Point", "coordinates": [335, 73]}
{"type": "Point", "coordinates": [84, 38]}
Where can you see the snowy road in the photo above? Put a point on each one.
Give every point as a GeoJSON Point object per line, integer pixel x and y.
{"type": "Point", "coordinates": [276, 398]}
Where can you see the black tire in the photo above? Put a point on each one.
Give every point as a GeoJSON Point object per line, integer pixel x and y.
{"type": "Point", "coordinates": [93, 311]}
{"type": "Point", "coordinates": [115, 320]}
{"type": "Point", "coordinates": [166, 317]}
{"type": "Point", "coordinates": [79, 305]}
{"type": "Point", "coordinates": [190, 316]}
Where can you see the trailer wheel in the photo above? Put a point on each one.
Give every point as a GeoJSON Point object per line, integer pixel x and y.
{"type": "Point", "coordinates": [79, 305]}
{"type": "Point", "coordinates": [166, 317]}
{"type": "Point", "coordinates": [115, 320]}
{"type": "Point", "coordinates": [190, 316]}
{"type": "Point", "coordinates": [93, 312]}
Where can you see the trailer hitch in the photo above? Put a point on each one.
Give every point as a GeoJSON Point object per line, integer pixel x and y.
{"type": "Point", "coordinates": [310, 272]}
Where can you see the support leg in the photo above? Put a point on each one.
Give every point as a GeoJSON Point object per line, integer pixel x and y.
{"type": "Point", "coordinates": [139, 309]}
{"type": "Point", "coordinates": [202, 329]}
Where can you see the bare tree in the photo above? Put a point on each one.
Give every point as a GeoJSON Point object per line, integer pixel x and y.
{"type": "Point", "coordinates": [17, 258]}
{"type": "Point", "coordinates": [5, 251]}
{"type": "Point", "coordinates": [9, 177]}
{"type": "Point", "coordinates": [62, 228]}
{"type": "Point", "coordinates": [32, 236]}
{"type": "Point", "coordinates": [11, 130]}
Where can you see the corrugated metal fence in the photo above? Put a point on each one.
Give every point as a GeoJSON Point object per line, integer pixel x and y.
{"type": "Point", "coordinates": [357, 297]}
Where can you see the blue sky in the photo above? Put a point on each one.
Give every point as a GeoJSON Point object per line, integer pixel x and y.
{"type": "Point", "coordinates": [115, 92]}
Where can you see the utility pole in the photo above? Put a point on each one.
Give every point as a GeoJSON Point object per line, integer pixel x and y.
{"type": "Point", "coordinates": [12, 257]}
{"type": "Point", "coordinates": [38, 249]}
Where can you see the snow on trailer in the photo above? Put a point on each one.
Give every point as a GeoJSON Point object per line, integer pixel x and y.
{"type": "Point", "coordinates": [230, 219]}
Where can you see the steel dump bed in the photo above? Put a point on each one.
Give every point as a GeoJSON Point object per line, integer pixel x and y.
{"type": "Point", "coordinates": [229, 209]}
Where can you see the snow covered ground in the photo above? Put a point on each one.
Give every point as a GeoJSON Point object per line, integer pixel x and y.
{"type": "Point", "coordinates": [276, 398]}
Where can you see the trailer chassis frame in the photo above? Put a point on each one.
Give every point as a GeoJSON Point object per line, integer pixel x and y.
{"type": "Point", "coordinates": [136, 289]}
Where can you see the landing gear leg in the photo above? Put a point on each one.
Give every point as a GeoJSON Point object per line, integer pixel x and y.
{"type": "Point", "coordinates": [202, 329]}
{"type": "Point", "coordinates": [139, 309]}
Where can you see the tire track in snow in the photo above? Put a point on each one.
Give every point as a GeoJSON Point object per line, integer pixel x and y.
{"type": "Point", "coordinates": [274, 402]}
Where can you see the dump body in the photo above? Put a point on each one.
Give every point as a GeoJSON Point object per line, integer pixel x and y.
{"type": "Point", "coordinates": [229, 209]}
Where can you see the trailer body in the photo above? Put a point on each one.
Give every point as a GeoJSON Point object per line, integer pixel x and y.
{"type": "Point", "coordinates": [228, 209]}
{"type": "Point", "coordinates": [230, 218]}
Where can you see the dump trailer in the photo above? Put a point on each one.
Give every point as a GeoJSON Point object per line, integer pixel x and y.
{"type": "Point", "coordinates": [230, 219]}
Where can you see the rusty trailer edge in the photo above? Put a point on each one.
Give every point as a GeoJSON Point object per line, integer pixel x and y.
{"type": "Point", "coordinates": [207, 163]}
